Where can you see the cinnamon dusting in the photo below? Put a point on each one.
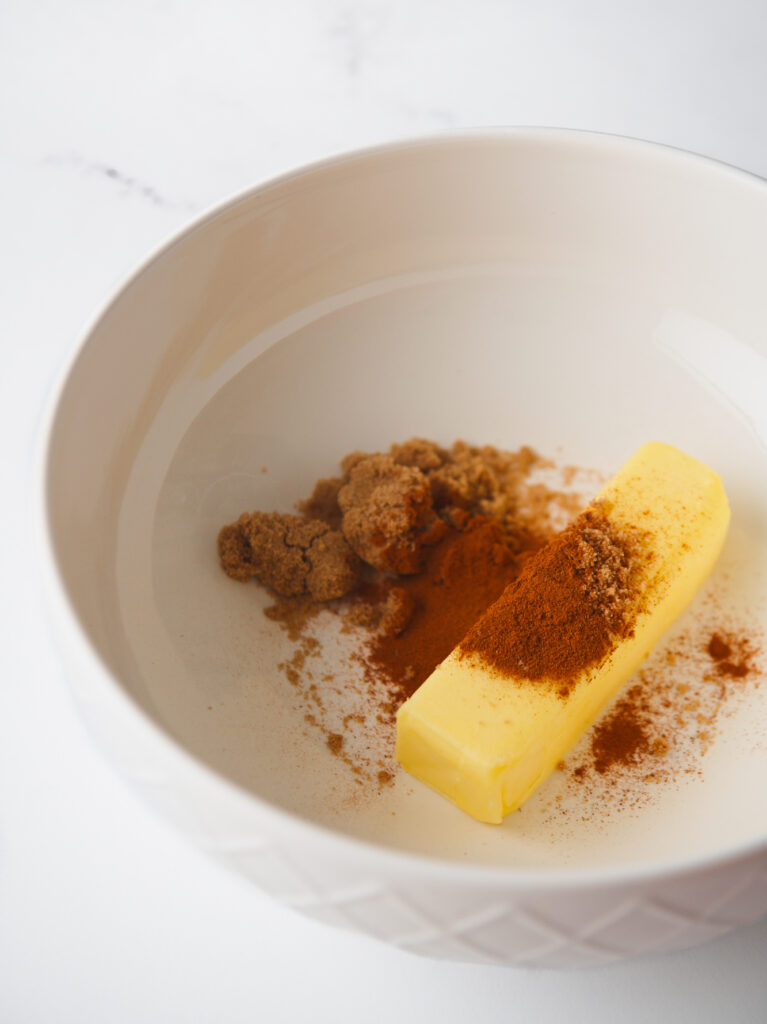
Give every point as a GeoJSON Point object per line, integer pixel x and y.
{"type": "Point", "coordinates": [462, 576]}
{"type": "Point", "coordinates": [566, 610]}
{"type": "Point", "coordinates": [661, 725]}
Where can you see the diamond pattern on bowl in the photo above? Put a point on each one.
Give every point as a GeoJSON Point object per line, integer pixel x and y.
{"type": "Point", "coordinates": [571, 930]}
{"type": "Point", "coordinates": [266, 865]}
{"type": "Point", "coordinates": [643, 927]}
{"type": "Point", "coordinates": [743, 901]}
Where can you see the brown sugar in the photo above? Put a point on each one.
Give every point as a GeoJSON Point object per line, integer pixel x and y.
{"type": "Point", "coordinates": [389, 609]}
{"type": "Point", "coordinates": [565, 610]}
{"type": "Point", "coordinates": [486, 481]}
{"type": "Point", "coordinates": [291, 555]}
{"type": "Point", "coordinates": [323, 502]}
{"type": "Point", "coordinates": [388, 517]}
{"type": "Point", "coordinates": [479, 479]}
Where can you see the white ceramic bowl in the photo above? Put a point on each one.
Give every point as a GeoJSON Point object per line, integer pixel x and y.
{"type": "Point", "coordinates": [512, 287]}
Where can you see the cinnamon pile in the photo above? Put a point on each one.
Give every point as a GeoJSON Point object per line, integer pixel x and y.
{"type": "Point", "coordinates": [462, 575]}
{"type": "Point", "coordinates": [567, 608]}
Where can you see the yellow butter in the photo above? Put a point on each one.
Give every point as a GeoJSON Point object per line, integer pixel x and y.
{"type": "Point", "coordinates": [487, 741]}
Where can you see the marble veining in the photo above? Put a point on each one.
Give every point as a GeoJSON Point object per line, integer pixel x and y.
{"type": "Point", "coordinates": [125, 185]}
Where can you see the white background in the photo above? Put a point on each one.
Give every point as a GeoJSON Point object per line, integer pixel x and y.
{"type": "Point", "coordinates": [119, 122]}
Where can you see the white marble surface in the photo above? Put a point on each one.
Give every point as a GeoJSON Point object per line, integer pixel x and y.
{"type": "Point", "coordinates": [118, 122]}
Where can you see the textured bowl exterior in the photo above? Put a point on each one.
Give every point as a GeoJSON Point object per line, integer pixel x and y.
{"type": "Point", "coordinates": [540, 928]}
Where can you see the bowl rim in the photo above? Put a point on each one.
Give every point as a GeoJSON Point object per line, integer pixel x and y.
{"type": "Point", "coordinates": [58, 603]}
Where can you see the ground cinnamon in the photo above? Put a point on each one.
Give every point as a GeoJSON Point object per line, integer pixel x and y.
{"type": "Point", "coordinates": [726, 662]}
{"type": "Point", "coordinates": [623, 737]}
{"type": "Point", "coordinates": [672, 709]}
{"type": "Point", "coordinates": [565, 611]}
{"type": "Point", "coordinates": [461, 577]}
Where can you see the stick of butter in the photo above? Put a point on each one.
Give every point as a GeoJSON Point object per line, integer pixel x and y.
{"type": "Point", "coordinates": [495, 718]}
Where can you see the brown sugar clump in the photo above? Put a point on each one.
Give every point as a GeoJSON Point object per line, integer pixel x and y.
{"type": "Point", "coordinates": [420, 454]}
{"type": "Point", "coordinates": [396, 611]}
{"type": "Point", "coordinates": [604, 563]}
{"type": "Point", "coordinates": [389, 612]}
{"type": "Point", "coordinates": [235, 551]}
{"type": "Point", "coordinates": [482, 479]}
{"type": "Point", "coordinates": [291, 555]}
{"type": "Point", "coordinates": [488, 481]}
{"type": "Point", "coordinates": [323, 503]}
{"type": "Point", "coordinates": [388, 517]}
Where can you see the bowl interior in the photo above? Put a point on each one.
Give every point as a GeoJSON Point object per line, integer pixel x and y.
{"type": "Point", "coordinates": [581, 295]}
